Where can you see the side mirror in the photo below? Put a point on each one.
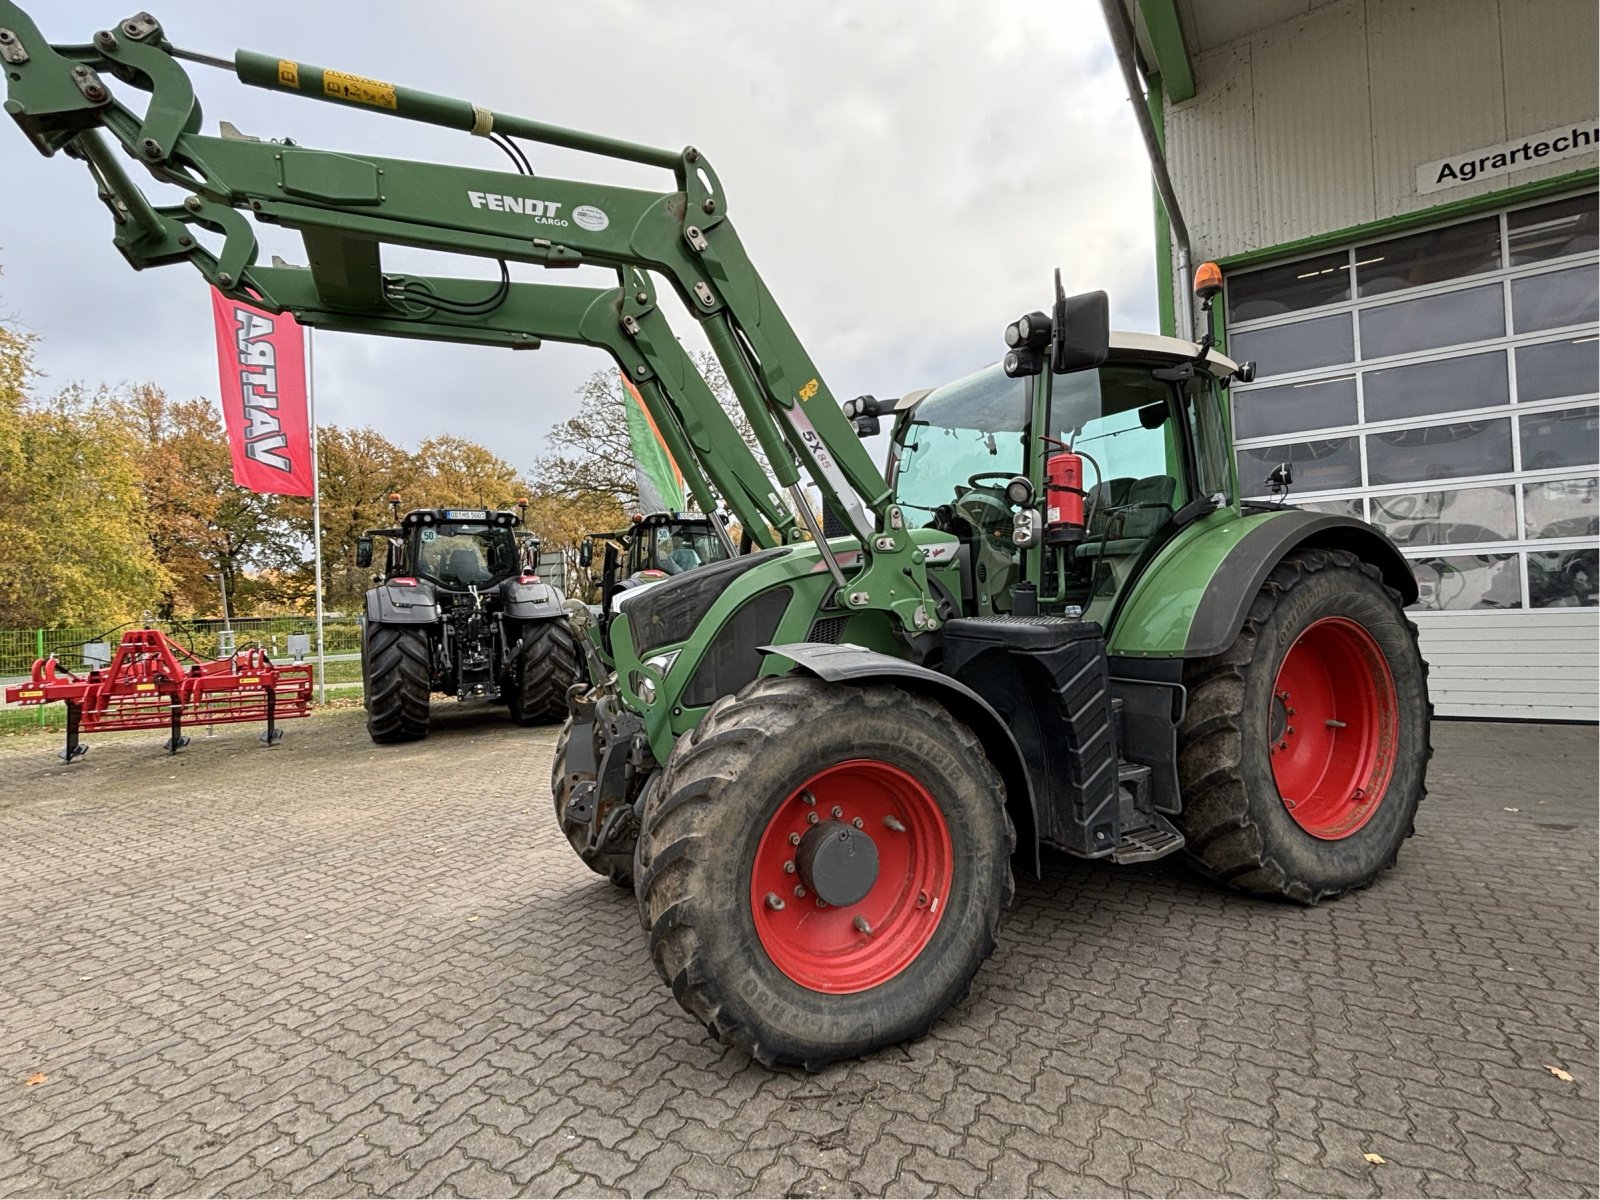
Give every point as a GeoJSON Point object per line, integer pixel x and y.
{"type": "Point", "coordinates": [364, 552]}
{"type": "Point", "coordinates": [1281, 477]}
{"type": "Point", "coordinates": [585, 553]}
{"type": "Point", "coordinates": [1083, 336]}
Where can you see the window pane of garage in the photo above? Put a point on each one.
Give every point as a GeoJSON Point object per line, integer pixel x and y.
{"type": "Point", "coordinates": [1570, 367]}
{"type": "Point", "coordinates": [1439, 452]}
{"type": "Point", "coordinates": [1289, 287]}
{"type": "Point", "coordinates": [1446, 320]}
{"type": "Point", "coordinates": [1554, 299]}
{"type": "Point", "coordinates": [1468, 581]}
{"type": "Point", "coordinates": [1339, 508]}
{"type": "Point", "coordinates": [1568, 437]}
{"type": "Point", "coordinates": [1301, 346]}
{"type": "Point", "coordinates": [1291, 408]}
{"type": "Point", "coordinates": [1432, 257]}
{"type": "Point", "coordinates": [1457, 517]}
{"type": "Point", "coordinates": [1561, 508]}
{"type": "Point", "coordinates": [1562, 578]}
{"type": "Point", "coordinates": [1447, 385]}
{"type": "Point", "coordinates": [1553, 230]}
{"type": "Point", "coordinates": [1321, 465]}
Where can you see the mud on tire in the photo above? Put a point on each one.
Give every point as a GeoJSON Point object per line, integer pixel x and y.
{"type": "Point", "coordinates": [398, 679]}
{"type": "Point", "coordinates": [703, 823]}
{"type": "Point", "coordinates": [1238, 827]}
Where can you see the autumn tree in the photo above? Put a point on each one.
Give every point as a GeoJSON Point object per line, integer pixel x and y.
{"type": "Point", "coordinates": [81, 556]}
{"type": "Point", "coordinates": [200, 523]}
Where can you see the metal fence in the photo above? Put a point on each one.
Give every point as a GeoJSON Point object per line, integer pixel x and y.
{"type": "Point", "coordinates": [83, 648]}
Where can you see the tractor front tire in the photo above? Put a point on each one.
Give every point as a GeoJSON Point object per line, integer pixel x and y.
{"type": "Point", "coordinates": [617, 867]}
{"type": "Point", "coordinates": [398, 682]}
{"type": "Point", "coordinates": [796, 790]}
{"type": "Point", "coordinates": [547, 665]}
{"type": "Point", "coordinates": [1303, 755]}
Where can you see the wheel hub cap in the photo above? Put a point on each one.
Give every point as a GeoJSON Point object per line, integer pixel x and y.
{"type": "Point", "coordinates": [1333, 728]}
{"type": "Point", "coordinates": [838, 862]}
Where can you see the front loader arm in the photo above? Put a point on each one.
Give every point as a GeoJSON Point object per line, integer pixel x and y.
{"type": "Point", "coordinates": [346, 207]}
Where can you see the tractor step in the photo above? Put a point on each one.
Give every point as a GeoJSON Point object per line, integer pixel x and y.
{"type": "Point", "coordinates": [1155, 840]}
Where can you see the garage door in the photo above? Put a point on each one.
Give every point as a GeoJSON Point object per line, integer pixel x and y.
{"type": "Point", "coordinates": [1443, 385]}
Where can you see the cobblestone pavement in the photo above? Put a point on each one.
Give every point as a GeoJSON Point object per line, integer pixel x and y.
{"type": "Point", "coordinates": [330, 969]}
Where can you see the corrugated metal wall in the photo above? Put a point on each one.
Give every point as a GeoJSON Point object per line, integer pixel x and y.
{"type": "Point", "coordinates": [1319, 122]}
{"type": "Point", "coordinates": [1539, 665]}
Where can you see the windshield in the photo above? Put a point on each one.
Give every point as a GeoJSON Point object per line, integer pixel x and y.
{"type": "Point", "coordinates": [459, 554]}
{"type": "Point", "coordinates": [675, 547]}
{"type": "Point", "coordinates": [975, 426]}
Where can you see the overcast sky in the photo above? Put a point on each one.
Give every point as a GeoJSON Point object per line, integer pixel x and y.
{"type": "Point", "coordinates": [905, 175]}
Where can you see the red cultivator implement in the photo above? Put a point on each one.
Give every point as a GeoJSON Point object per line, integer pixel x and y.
{"type": "Point", "coordinates": [152, 683]}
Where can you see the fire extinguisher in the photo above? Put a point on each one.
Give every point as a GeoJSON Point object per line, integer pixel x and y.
{"type": "Point", "coordinates": [1063, 496]}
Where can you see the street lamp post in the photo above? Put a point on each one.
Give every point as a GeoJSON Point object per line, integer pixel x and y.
{"type": "Point", "coordinates": [225, 640]}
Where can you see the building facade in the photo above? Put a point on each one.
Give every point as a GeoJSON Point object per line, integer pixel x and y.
{"type": "Point", "coordinates": [1402, 196]}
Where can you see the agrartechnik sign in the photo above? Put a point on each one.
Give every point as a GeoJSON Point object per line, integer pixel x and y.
{"type": "Point", "coordinates": [1579, 139]}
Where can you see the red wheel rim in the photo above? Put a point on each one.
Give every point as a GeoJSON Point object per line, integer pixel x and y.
{"type": "Point", "coordinates": [1334, 725]}
{"type": "Point", "coordinates": [853, 947]}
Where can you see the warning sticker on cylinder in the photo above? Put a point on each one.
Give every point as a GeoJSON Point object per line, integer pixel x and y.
{"type": "Point", "coordinates": [288, 73]}
{"type": "Point", "coordinates": [358, 89]}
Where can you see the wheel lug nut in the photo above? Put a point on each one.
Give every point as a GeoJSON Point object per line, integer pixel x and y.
{"type": "Point", "coordinates": [821, 903]}
{"type": "Point", "coordinates": [799, 892]}
{"type": "Point", "coordinates": [811, 818]}
{"type": "Point", "coordinates": [788, 868]}
{"type": "Point", "coordinates": [837, 812]}
{"type": "Point", "coordinates": [774, 902]}
{"type": "Point", "coordinates": [794, 839]}
{"type": "Point", "coordinates": [893, 822]}
{"type": "Point", "coordinates": [861, 925]}
{"type": "Point", "coordinates": [859, 823]}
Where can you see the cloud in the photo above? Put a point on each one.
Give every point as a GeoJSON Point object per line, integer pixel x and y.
{"type": "Point", "coordinates": [905, 176]}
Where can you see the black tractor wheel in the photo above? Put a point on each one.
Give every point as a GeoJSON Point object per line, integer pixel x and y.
{"type": "Point", "coordinates": [398, 679]}
{"type": "Point", "coordinates": [617, 867]}
{"type": "Point", "coordinates": [546, 667]}
{"type": "Point", "coordinates": [1304, 752]}
{"type": "Point", "coordinates": [822, 868]}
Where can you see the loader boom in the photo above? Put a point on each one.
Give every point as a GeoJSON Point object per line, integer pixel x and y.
{"type": "Point", "coordinates": [347, 207]}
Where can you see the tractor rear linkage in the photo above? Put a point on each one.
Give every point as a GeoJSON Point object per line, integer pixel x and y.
{"type": "Point", "coordinates": [152, 683]}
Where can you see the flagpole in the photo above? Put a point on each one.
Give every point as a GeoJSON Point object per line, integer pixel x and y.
{"type": "Point", "coordinates": [316, 509]}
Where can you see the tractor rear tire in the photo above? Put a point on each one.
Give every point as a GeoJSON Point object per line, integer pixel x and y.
{"type": "Point", "coordinates": [398, 682]}
{"type": "Point", "coordinates": [1323, 693]}
{"type": "Point", "coordinates": [546, 667]}
{"type": "Point", "coordinates": [617, 867]}
{"type": "Point", "coordinates": [722, 868]}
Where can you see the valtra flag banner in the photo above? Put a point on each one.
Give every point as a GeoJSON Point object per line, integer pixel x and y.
{"type": "Point", "coordinates": [262, 360]}
{"type": "Point", "coordinates": [660, 481]}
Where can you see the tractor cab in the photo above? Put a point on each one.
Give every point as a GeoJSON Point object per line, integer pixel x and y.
{"type": "Point", "coordinates": [660, 544]}
{"type": "Point", "coordinates": [1122, 453]}
{"type": "Point", "coordinates": [456, 549]}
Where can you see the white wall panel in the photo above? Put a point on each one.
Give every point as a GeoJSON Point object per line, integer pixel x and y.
{"type": "Point", "coordinates": [1319, 121]}
{"type": "Point", "coordinates": [1212, 145]}
{"type": "Point", "coordinates": [1313, 123]}
{"type": "Point", "coordinates": [1542, 665]}
{"type": "Point", "coordinates": [1432, 103]}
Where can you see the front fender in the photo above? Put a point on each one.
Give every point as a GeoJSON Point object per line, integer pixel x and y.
{"type": "Point", "coordinates": [844, 663]}
{"type": "Point", "coordinates": [1191, 601]}
{"type": "Point", "coordinates": [390, 605]}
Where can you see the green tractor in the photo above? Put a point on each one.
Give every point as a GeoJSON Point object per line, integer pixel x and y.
{"type": "Point", "coordinates": [1053, 624]}
{"type": "Point", "coordinates": [657, 545]}
{"type": "Point", "coordinates": [460, 610]}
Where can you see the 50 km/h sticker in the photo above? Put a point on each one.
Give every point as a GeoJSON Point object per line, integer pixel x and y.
{"type": "Point", "coordinates": [358, 89]}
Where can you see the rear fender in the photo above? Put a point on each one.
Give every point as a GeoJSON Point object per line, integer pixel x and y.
{"type": "Point", "coordinates": [850, 664]}
{"type": "Point", "coordinates": [1192, 600]}
{"type": "Point", "coordinates": [531, 601]}
{"type": "Point", "coordinates": [391, 605]}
